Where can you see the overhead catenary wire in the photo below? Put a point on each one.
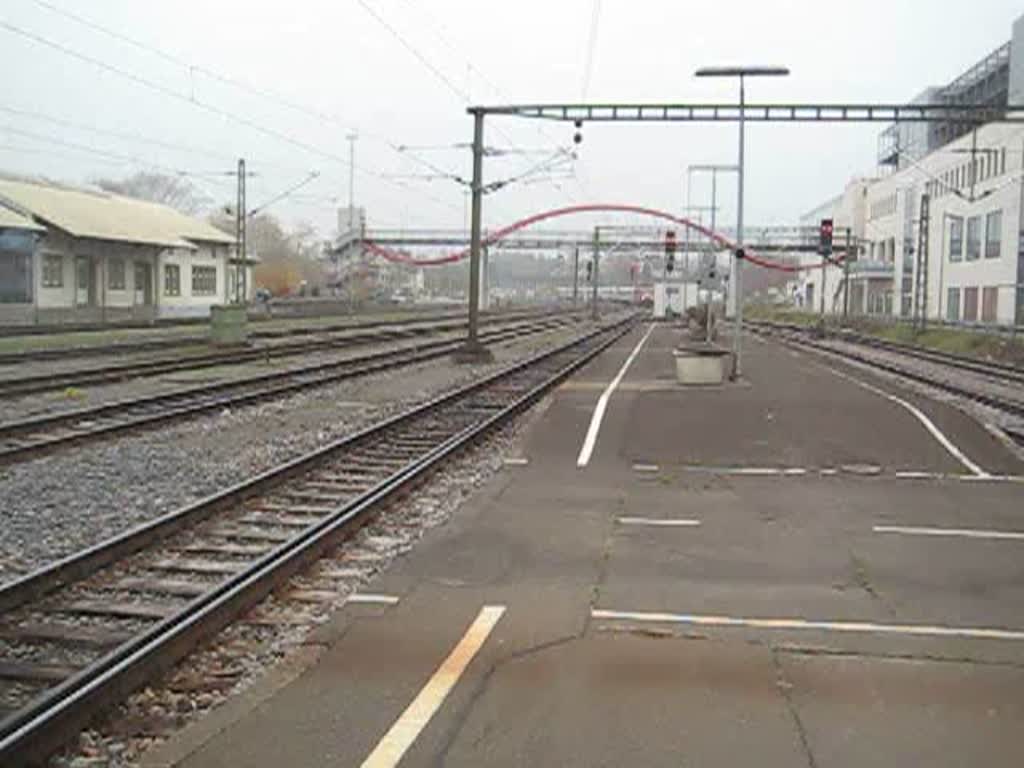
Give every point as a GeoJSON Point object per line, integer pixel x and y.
{"type": "Point", "coordinates": [588, 66]}
{"type": "Point", "coordinates": [190, 99]}
{"type": "Point", "coordinates": [462, 95]}
{"type": "Point", "coordinates": [86, 149]}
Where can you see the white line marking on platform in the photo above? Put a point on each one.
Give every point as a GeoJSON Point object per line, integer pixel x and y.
{"type": "Point", "coordinates": [646, 467]}
{"type": "Point", "coordinates": [967, 533]}
{"type": "Point", "coordinates": [944, 441]}
{"type": "Point", "coordinates": [602, 403]}
{"type": "Point", "coordinates": [360, 597]}
{"type": "Point", "coordinates": [862, 627]}
{"type": "Point", "coordinates": [414, 719]}
{"type": "Point", "coordinates": [656, 521]}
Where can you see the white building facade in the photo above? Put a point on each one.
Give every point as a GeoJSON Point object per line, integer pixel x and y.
{"type": "Point", "coordinates": [940, 231]}
{"type": "Point", "coordinates": [96, 257]}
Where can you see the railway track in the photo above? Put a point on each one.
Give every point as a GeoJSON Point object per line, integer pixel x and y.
{"type": "Point", "coordinates": [80, 634]}
{"type": "Point", "coordinates": [993, 369]}
{"type": "Point", "coordinates": [1004, 378]}
{"type": "Point", "coordinates": [258, 334]}
{"type": "Point", "coordinates": [43, 382]}
{"type": "Point", "coordinates": [23, 439]}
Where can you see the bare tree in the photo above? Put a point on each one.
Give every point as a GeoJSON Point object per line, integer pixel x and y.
{"type": "Point", "coordinates": [174, 191]}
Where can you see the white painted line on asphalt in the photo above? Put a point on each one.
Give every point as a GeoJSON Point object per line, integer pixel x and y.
{"type": "Point", "coordinates": [967, 533]}
{"type": "Point", "coordinates": [516, 461]}
{"type": "Point", "coordinates": [414, 719]}
{"type": "Point", "coordinates": [862, 627]}
{"type": "Point", "coordinates": [602, 403]}
{"type": "Point", "coordinates": [646, 467]}
{"type": "Point", "coordinates": [361, 597]}
{"type": "Point", "coordinates": [944, 441]}
{"type": "Point", "coordinates": [681, 522]}
{"type": "Point", "coordinates": [828, 471]}
{"type": "Point", "coordinates": [916, 475]}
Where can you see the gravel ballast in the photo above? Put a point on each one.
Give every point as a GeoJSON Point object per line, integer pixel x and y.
{"type": "Point", "coordinates": [56, 505]}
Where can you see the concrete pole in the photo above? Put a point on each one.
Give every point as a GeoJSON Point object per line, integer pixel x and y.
{"type": "Point", "coordinates": [737, 277]}
{"type": "Point", "coordinates": [823, 262]}
{"type": "Point", "coordinates": [593, 287]}
{"type": "Point", "coordinates": [846, 276]}
{"type": "Point", "coordinates": [485, 294]}
{"type": "Point", "coordinates": [575, 276]}
{"type": "Point", "coordinates": [351, 180]}
{"type": "Point", "coordinates": [473, 350]}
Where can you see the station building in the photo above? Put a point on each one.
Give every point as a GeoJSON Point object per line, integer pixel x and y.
{"type": "Point", "coordinates": [70, 255]}
{"type": "Point", "coordinates": [959, 256]}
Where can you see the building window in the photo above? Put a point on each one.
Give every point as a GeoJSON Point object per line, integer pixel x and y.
{"type": "Point", "coordinates": [53, 270]}
{"type": "Point", "coordinates": [956, 238]}
{"type": "Point", "coordinates": [115, 274]}
{"type": "Point", "coordinates": [953, 305]}
{"type": "Point", "coordinates": [1002, 161]}
{"type": "Point", "coordinates": [989, 304]}
{"type": "Point", "coordinates": [970, 305]}
{"type": "Point", "coordinates": [993, 234]}
{"type": "Point", "coordinates": [974, 238]}
{"type": "Point", "coordinates": [172, 280]}
{"type": "Point", "coordinates": [204, 281]}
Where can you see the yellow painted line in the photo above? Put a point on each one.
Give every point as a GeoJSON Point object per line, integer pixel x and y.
{"type": "Point", "coordinates": [390, 750]}
{"type": "Point", "coordinates": [860, 627]}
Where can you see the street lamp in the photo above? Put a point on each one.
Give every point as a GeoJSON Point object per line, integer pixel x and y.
{"type": "Point", "coordinates": [737, 290]}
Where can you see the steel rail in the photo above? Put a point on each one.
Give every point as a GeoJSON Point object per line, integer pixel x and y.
{"type": "Point", "coordinates": [992, 369]}
{"type": "Point", "coordinates": [90, 376]}
{"type": "Point", "coordinates": [100, 350]}
{"type": "Point", "coordinates": [1011, 407]}
{"type": "Point", "coordinates": [30, 735]}
{"type": "Point", "coordinates": [182, 403]}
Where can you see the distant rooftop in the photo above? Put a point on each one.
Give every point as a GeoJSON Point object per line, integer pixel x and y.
{"type": "Point", "coordinates": [104, 216]}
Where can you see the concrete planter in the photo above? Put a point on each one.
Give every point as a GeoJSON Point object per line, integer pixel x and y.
{"type": "Point", "coordinates": [228, 325]}
{"type": "Point", "coordinates": [701, 364]}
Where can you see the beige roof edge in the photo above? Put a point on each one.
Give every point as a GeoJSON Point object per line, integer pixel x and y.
{"type": "Point", "coordinates": [13, 220]}
{"type": "Point", "coordinates": [84, 213]}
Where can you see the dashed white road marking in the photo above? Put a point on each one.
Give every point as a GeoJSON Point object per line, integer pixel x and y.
{"type": "Point", "coordinates": [646, 467]}
{"type": "Point", "coordinates": [861, 627]}
{"type": "Point", "coordinates": [935, 432]}
{"type": "Point", "coordinates": [967, 533]}
{"type": "Point", "coordinates": [414, 719]}
{"type": "Point", "coordinates": [516, 461]}
{"type": "Point", "coordinates": [602, 403]}
{"type": "Point", "coordinates": [681, 522]}
{"type": "Point", "coordinates": [362, 597]}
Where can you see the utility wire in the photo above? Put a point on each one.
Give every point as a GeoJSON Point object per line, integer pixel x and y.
{"type": "Point", "coordinates": [461, 94]}
{"type": "Point", "coordinates": [286, 193]}
{"type": "Point", "coordinates": [591, 45]}
{"type": "Point", "coordinates": [106, 154]}
{"type": "Point", "coordinates": [186, 148]}
{"type": "Point", "coordinates": [190, 99]}
{"type": "Point", "coordinates": [194, 69]}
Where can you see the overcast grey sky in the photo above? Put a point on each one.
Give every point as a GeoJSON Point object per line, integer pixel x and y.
{"type": "Point", "coordinates": [400, 72]}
